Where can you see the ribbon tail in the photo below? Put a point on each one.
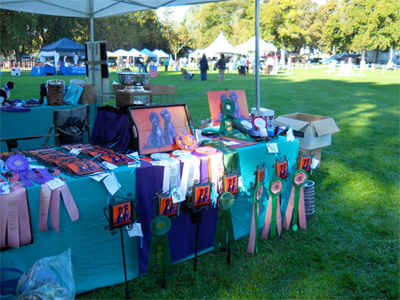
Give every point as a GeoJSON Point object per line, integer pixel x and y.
{"type": "Point", "coordinates": [169, 275]}
{"type": "Point", "coordinates": [296, 208]}
{"type": "Point", "coordinates": [289, 210]}
{"type": "Point", "coordinates": [25, 232]}
{"type": "Point", "coordinates": [69, 202]}
{"type": "Point", "coordinates": [302, 212]}
{"type": "Point", "coordinates": [253, 231]}
{"type": "Point", "coordinates": [45, 196]}
{"type": "Point", "coordinates": [3, 220]}
{"type": "Point", "coordinates": [218, 232]}
{"type": "Point", "coordinates": [55, 210]}
{"type": "Point", "coordinates": [231, 234]}
{"type": "Point", "coordinates": [151, 263]}
{"type": "Point", "coordinates": [12, 222]}
{"type": "Point", "coordinates": [267, 221]}
{"type": "Point", "coordinates": [273, 217]}
{"type": "Point", "coordinates": [279, 217]}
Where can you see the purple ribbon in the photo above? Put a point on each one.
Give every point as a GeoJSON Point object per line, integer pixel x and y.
{"type": "Point", "coordinates": [203, 165]}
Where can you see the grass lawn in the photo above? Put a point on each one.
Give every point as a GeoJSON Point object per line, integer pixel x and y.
{"type": "Point", "coordinates": [351, 248]}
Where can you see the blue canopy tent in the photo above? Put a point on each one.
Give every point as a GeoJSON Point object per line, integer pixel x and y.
{"type": "Point", "coordinates": [148, 52]}
{"type": "Point", "coordinates": [65, 45]}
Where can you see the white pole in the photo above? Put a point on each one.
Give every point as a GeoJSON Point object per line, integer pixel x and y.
{"type": "Point", "coordinates": [257, 56]}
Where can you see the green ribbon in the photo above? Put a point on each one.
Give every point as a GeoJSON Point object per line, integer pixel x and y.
{"type": "Point", "coordinates": [224, 223]}
{"type": "Point", "coordinates": [231, 157]}
{"type": "Point", "coordinates": [160, 256]}
{"type": "Point", "coordinates": [297, 188]}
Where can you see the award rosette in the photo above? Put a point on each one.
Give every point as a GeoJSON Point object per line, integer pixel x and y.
{"type": "Point", "coordinates": [185, 140]}
{"type": "Point", "coordinates": [160, 256]}
{"type": "Point", "coordinates": [273, 222]}
{"type": "Point", "coordinates": [17, 163]}
{"type": "Point", "coordinates": [228, 111]}
{"type": "Point", "coordinates": [295, 212]}
{"type": "Point", "coordinates": [224, 230]}
{"type": "Point", "coordinates": [252, 247]}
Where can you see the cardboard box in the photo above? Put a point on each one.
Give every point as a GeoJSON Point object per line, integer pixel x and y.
{"type": "Point", "coordinates": [116, 87]}
{"type": "Point", "coordinates": [131, 97]}
{"type": "Point", "coordinates": [315, 152]}
{"type": "Point", "coordinates": [312, 131]}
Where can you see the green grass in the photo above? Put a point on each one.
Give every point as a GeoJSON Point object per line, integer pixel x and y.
{"type": "Point", "coordinates": [351, 248]}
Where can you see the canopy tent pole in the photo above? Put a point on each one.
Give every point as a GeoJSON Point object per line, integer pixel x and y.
{"type": "Point", "coordinates": [257, 66]}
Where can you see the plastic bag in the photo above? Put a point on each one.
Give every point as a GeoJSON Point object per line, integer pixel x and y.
{"type": "Point", "coordinates": [49, 278]}
{"type": "Point", "coordinates": [73, 94]}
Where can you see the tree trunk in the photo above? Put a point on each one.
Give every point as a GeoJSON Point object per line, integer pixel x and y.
{"type": "Point", "coordinates": [390, 55]}
{"type": "Point", "coordinates": [363, 54]}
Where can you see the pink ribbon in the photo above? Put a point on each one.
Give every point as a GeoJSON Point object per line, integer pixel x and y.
{"type": "Point", "coordinates": [289, 210]}
{"type": "Point", "coordinates": [267, 223]}
{"type": "Point", "coordinates": [15, 221]}
{"type": "Point", "coordinates": [50, 199]}
{"type": "Point", "coordinates": [253, 232]}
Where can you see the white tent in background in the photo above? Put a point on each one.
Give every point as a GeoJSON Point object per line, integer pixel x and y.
{"type": "Point", "coordinates": [133, 52]}
{"type": "Point", "coordinates": [110, 54]}
{"type": "Point", "coordinates": [220, 45]}
{"type": "Point", "coordinates": [160, 53]}
{"type": "Point", "coordinates": [249, 46]}
{"type": "Point", "coordinates": [121, 52]}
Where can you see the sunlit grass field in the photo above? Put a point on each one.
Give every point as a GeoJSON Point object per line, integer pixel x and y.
{"type": "Point", "coordinates": [351, 248]}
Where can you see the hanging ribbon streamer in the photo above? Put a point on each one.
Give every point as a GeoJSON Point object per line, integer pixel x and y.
{"type": "Point", "coordinates": [273, 222]}
{"type": "Point", "coordinates": [160, 256]}
{"type": "Point", "coordinates": [50, 200]}
{"type": "Point", "coordinates": [295, 212]}
{"type": "Point", "coordinates": [252, 247]}
{"type": "Point", "coordinates": [231, 158]}
{"type": "Point", "coordinates": [15, 224]}
{"type": "Point", "coordinates": [224, 231]}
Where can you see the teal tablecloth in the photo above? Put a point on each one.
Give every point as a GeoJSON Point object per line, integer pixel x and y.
{"type": "Point", "coordinates": [36, 122]}
{"type": "Point", "coordinates": [96, 254]}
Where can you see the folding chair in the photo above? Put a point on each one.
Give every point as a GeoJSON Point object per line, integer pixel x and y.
{"type": "Point", "coordinates": [71, 124]}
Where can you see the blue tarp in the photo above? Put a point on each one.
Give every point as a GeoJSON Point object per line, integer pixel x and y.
{"type": "Point", "coordinates": [64, 45]}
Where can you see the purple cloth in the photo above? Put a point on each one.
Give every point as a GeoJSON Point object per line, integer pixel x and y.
{"type": "Point", "coordinates": [15, 108]}
{"type": "Point", "coordinates": [112, 127]}
{"type": "Point", "coordinates": [182, 236]}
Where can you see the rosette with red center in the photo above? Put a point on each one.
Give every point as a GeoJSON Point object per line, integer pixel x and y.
{"type": "Point", "coordinates": [17, 163]}
{"type": "Point", "coordinates": [300, 177]}
{"type": "Point", "coordinates": [275, 187]}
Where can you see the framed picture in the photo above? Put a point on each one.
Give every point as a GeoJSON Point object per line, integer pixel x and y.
{"type": "Point", "coordinates": [305, 163]}
{"type": "Point", "coordinates": [215, 99]}
{"type": "Point", "coordinates": [166, 206]}
{"type": "Point", "coordinates": [120, 214]}
{"type": "Point", "coordinates": [201, 195]}
{"type": "Point", "coordinates": [231, 183]}
{"type": "Point", "coordinates": [156, 127]}
{"type": "Point", "coordinates": [260, 175]}
{"type": "Point", "coordinates": [282, 169]}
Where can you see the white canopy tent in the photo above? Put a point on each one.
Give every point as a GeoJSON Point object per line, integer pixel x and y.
{"type": "Point", "coordinates": [106, 8]}
{"type": "Point", "coordinates": [249, 46]}
{"type": "Point", "coordinates": [220, 45]}
{"type": "Point", "coordinates": [121, 52]}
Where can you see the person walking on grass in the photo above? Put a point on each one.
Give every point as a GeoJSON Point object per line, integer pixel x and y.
{"type": "Point", "coordinates": [221, 66]}
{"type": "Point", "coordinates": [203, 68]}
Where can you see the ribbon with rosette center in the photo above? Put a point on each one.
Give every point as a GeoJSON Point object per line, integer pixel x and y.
{"type": "Point", "coordinates": [252, 247]}
{"type": "Point", "coordinates": [50, 200]}
{"type": "Point", "coordinates": [224, 230]}
{"type": "Point", "coordinates": [160, 256]}
{"type": "Point", "coordinates": [295, 212]}
{"type": "Point", "coordinates": [273, 222]}
{"type": "Point", "coordinates": [15, 224]}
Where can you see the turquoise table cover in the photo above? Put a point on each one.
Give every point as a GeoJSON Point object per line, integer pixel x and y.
{"type": "Point", "coordinates": [96, 254]}
{"type": "Point", "coordinates": [36, 122]}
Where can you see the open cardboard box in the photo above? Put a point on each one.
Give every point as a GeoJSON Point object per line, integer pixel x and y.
{"type": "Point", "coordinates": [312, 131]}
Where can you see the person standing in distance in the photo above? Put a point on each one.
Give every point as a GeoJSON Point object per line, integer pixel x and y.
{"type": "Point", "coordinates": [242, 65]}
{"type": "Point", "coordinates": [166, 63]}
{"type": "Point", "coordinates": [221, 65]}
{"type": "Point", "coordinates": [203, 68]}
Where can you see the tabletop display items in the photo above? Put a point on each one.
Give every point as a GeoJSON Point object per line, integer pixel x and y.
{"type": "Point", "coordinates": [258, 187]}
{"type": "Point", "coordinates": [295, 211]}
{"type": "Point", "coordinates": [185, 140]}
{"type": "Point", "coordinates": [166, 206]}
{"type": "Point", "coordinates": [273, 223]}
{"type": "Point", "coordinates": [121, 215]}
{"type": "Point", "coordinates": [281, 167]}
{"type": "Point", "coordinates": [224, 234]}
{"type": "Point", "coordinates": [201, 198]}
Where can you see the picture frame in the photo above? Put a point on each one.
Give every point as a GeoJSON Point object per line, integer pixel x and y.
{"type": "Point", "coordinates": [281, 169]}
{"type": "Point", "coordinates": [201, 196]}
{"type": "Point", "coordinates": [166, 207]}
{"type": "Point", "coordinates": [231, 183]}
{"type": "Point", "coordinates": [121, 214]}
{"type": "Point", "coordinates": [260, 175]}
{"type": "Point", "coordinates": [215, 99]}
{"type": "Point", "coordinates": [156, 127]}
{"type": "Point", "coordinates": [305, 163]}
